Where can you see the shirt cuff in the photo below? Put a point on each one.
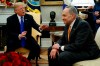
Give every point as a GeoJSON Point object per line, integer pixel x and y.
{"type": "Point", "coordinates": [40, 29]}
{"type": "Point", "coordinates": [62, 48]}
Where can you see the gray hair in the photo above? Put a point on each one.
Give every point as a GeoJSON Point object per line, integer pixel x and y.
{"type": "Point", "coordinates": [72, 10]}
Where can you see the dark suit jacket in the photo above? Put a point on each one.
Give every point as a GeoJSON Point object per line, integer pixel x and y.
{"type": "Point", "coordinates": [81, 38]}
{"type": "Point", "coordinates": [13, 30]}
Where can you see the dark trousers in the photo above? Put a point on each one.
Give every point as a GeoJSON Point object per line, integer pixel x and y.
{"type": "Point", "coordinates": [31, 44]}
{"type": "Point", "coordinates": [34, 49]}
{"type": "Point", "coordinates": [67, 58]}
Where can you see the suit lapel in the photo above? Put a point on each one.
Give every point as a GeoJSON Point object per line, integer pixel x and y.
{"type": "Point", "coordinates": [66, 32]}
{"type": "Point", "coordinates": [17, 21]}
{"type": "Point", "coordinates": [74, 27]}
{"type": "Point", "coordinates": [25, 20]}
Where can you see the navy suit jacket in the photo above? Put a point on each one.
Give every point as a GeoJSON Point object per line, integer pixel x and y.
{"type": "Point", "coordinates": [13, 30]}
{"type": "Point", "coordinates": [81, 38]}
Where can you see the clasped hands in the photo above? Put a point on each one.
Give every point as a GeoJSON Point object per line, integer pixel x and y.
{"type": "Point", "coordinates": [22, 35]}
{"type": "Point", "coordinates": [54, 51]}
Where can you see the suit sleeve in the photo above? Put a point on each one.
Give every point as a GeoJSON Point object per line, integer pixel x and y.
{"type": "Point", "coordinates": [10, 29]}
{"type": "Point", "coordinates": [34, 24]}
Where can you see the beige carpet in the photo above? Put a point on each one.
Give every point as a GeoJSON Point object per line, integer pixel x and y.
{"type": "Point", "coordinates": [44, 57]}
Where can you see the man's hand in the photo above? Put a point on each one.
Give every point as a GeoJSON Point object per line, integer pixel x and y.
{"type": "Point", "coordinates": [22, 35]}
{"type": "Point", "coordinates": [43, 27]}
{"type": "Point", "coordinates": [53, 53]}
{"type": "Point", "coordinates": [98, 21]}
{"type": "Point", "coordinates": [96, 13]}
{"type": "Point", "coordinates": [55, 46]}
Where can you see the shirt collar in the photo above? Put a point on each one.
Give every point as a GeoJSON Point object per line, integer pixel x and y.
{"type": "Point", "coordinates": [19, 18]}
{"type": "Point", "coordinates": [71, 25]}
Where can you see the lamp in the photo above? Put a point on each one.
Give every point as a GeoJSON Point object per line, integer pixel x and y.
{"type": "Point", "coordinates": [83, 3]}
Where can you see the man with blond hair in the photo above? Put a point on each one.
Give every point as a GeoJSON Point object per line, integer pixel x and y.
{"type": "Point", "coordinates": [19, 27]}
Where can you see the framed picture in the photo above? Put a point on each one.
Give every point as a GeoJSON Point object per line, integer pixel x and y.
{"type": "Point", "coordinates": [51, 2]}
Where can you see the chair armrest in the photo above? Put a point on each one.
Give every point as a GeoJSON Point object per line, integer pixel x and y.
{"type": "Point", "coordinates": [36, 35]}
{"type": "Point", "coordinates": [39, 34]}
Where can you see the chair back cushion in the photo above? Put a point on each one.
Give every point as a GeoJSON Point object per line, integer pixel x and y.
{"type": "Point", "coordinates": [36, 17]}
{"type": "Point", "coordinates": [97, 37]}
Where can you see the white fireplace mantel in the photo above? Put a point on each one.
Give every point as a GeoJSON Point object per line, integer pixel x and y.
{"type": "Point", "coordinates": [4, 13]}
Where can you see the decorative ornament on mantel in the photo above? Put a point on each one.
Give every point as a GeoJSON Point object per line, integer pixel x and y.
{"type": "Point", "coordinates": [2, 1]}
{"type": "Point", "coordinates": [9, 3]}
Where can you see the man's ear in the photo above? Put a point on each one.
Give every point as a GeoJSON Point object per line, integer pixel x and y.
{"type": "Point", "coordinates": [15, 11]}
{"type": "Point", "coordinates": [73, 16]}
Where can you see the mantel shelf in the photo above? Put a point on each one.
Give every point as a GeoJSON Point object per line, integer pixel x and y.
{"type": "Point", "coordinates": [2, 5]}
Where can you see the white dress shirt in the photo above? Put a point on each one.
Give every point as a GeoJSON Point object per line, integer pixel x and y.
{"type": "Point", "coordinates": [19, 18]}
{"type": "Point", "coordinates": [71, 25]}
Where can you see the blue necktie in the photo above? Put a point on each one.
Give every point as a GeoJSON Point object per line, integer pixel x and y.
{"type": "Point", "coordinates": [21, 30]}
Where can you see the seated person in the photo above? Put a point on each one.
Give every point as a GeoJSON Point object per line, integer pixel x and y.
{"type": "Point", "coordinates": [97, 14]}
{"type": "Point", "coordinates": [77, 42]}
{"type": "Point", "coordinates": [19, 29]}
{"type": "Point", "coordinates": [96, 11]}
{"type": "Point", "coordinates": [90, 18]}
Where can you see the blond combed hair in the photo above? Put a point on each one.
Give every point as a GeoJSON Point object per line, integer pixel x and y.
{"type": "Point", "coordinates": [17, 4]}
